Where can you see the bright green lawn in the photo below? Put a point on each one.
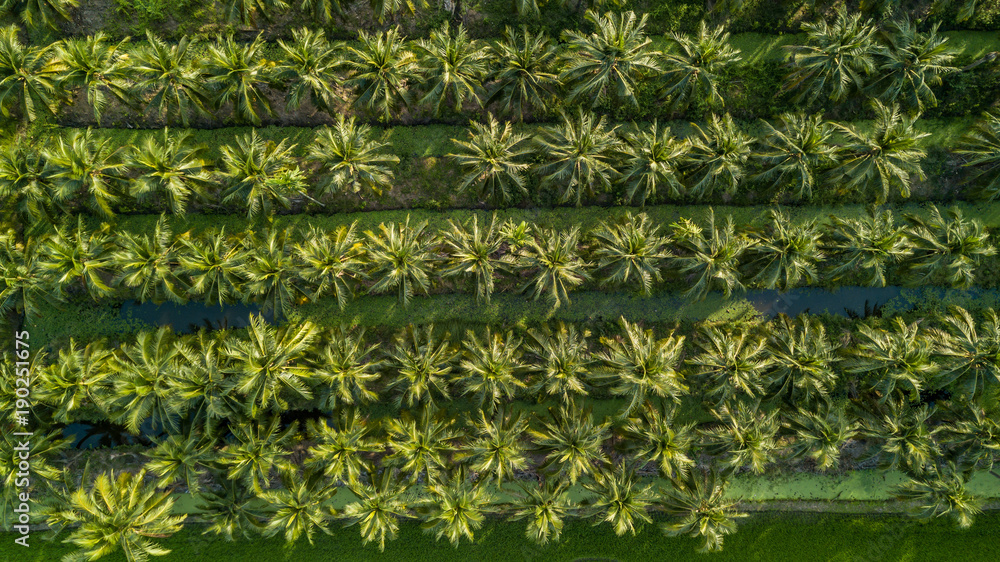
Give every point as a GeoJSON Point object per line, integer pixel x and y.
{"type": "Point", "coordinates": [766, 537]}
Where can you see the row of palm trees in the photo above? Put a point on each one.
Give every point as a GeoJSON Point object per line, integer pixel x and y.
{"type": "Point", "coordinates": [279, 268]}
{"type": "Point", "coordinates": [583, 155]}
{"type": "Point", "coordinates": [163, 379]}
{"type": "Point", "coordinates": [523, 74]}
{"type": "Point", "coordinates": [800, 156]}
{"type": "Point", "coordinates": [229, 451]}
{"type": "Point", "coordinates": [124, 511]}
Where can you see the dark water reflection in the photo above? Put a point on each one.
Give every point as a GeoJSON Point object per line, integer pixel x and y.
{"type": "Point", "coordinates": [191, 317]}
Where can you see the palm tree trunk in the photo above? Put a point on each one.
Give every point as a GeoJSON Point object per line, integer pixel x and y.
{"type": "Point", "coordinates": [989, 57]}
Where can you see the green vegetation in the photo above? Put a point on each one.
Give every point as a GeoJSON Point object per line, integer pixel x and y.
{"type": "Point", "coordinates": [476, 325]}
{"type": "Point", "coordinates": [793, 537]}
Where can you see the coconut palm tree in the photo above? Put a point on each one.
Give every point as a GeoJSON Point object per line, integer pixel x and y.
{"type": "Point", "coordinates": [868, 246]}
{"type": "Point", "coordinates": [804, 368]}
{"type": "Point", "coordinates": [232, 510]}
{"type": "Point", "coordinates": [341, 444]}
{"type": "Point", "coordinates": [545, 507]}
{"type": "Point", "coordinates": [950, 248]}
{"type": "Point", "coordinates": [381, 70]}
{"type": "Point", "coordinates": [204, 387]}
{"type": "Point", "coordinates": [620, 500]}
{"type": "Point", "coordinates": [390, 8]}
{"type": "Point", "coordinates": [81, 165]}
{"type": "Point", "coordinates": [653, 158]}
{"type": "Point", "coordinates": [899, 358]}
{"type": "Point", "coordinates": [554, 259]}
{"type": "Point", "coordinates": [181, 459]}
{"type": "Point", "coordinates": [836, 61]}
{"type": "Point", "coordinates": [973, 439]}
{"type": "Point", "coordinates": [96, 67]}
{"type": "Point", "coordinates": [698, 500]}
{"type": "Point", "coordinates": [710, 254]}
{"type": "Point", "coordinates": [653, 436]}
{"type": "Point", "coordinates": [330, 261]}
{"type": "Point", "coordinates": [169, 169]}
{"type": "Point", "coordinates": [28, 75]}
{"type": "Point", "coordinates": [471, 254]}
{"type": "Point", "coordinates": [453, 67]}
{"type": "Point", "coordinates": [256, 449]}
{"type": "Point", "coordinates": [909, 63]}
{"type": "Point", "coordinates": [581, 155]}
{"type": "Point", "coordinates": [493, 161]}
{"type": "Point", "coordinates": [78, 256]}
{"type": "Point", "coordinates": [495, 449]}
{"type": "Point", "coordinates": [907, 440]}
{"type": "Point", "coordinates": [308, 67]}
{"type": "Point", "coordinates": [343, 370]}
{"type": "Point", "coordinates": [380, 506]}
{"type": "Point", "coordinates": [143, 374]}
{"type": "Point", "coordinates": [795, 152]}
{"type": "Point", "coordinates": [611, 62]}
{"type": "Point", "coordinates": [401, 258]}
{"type": "Point", "coordinates": [630, 249]}
{"type": "Point", "coordinates": [350, 155]}
{"type": "Point", "coordinates": [269, 363]}
{"type": "Point", "coordinates": [641, 367]}
{"type": "Point", "coordinates": [212, 262]}
{"type": "Point", "coordinates": [971, 355]}
{"type": "Point", "coordinates": [571, 442]}
{"type": "Point", "coordinates": [260, 173]}
{"type": "Point", "coordinates": [821, 435]}
{"type": "Point", "coordinates": [147, 264]}
{"type": "Point", "coordinates": [116, 512]}
{"type": "Point", "coordinates": [456, 507]}
{"type": "Point", "coordinates": [717, 158]}
{"type": "Point", "coordinates": [24, 185]}
{"type": "Point", "coordinates": [42, 450]}
{"type": "Point", "coordinates": [323, 10]}
{"type": "Point", "coordinates": [245, 12]}
{"type": "Point", "coordinates": [788, 255]}
{"type": "Point", "coordinates": [36, 14]}
{"type": "Point", "coordinates": [299, 506]}
{"type": "Point", "coordinates": [883, 159]}
{"type": "Point", "coordinates": [982, 147]}
{"type": "Point", "coordinates": [693, 65]}
{"type": "Point", "coordinates": [26, 284]}
{"type": "Point", "coordinates": [747, 436]}
{"type": "Point", "coordinates": [562, 362]}
{"type": "Point", "coordinates": [942, 493]}
{"type": "Point", "coordinates": [420, 365]}
{"type": "Point", "coordinates": [237, 74]}
{"type": "Point", "coordinates": [524, 80]}
{"type": "Point", "coordinates": [169, 78]}
{"type": "Point", "coordinates": [490, 368]}
{"type": "Point", "coordinates": [271, 275]}
{"type": "Point", "coordinates": [79, 378]}
{"type": "Point", "coordinates": [420, 445]}
{"type": "Point", "coordinates": [734, 363]}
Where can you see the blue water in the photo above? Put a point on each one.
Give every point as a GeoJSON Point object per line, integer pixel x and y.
{"type": "Point", "coordinates": [191, 317]}
{"type": "Point", "coordinates": [817, 301]}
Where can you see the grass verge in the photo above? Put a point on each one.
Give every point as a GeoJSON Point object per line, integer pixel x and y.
{"type": "Point", "coordinates": [771, 537]}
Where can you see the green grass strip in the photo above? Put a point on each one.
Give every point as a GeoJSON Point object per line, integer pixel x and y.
{"type": "Point", "coordinates": [586, 218]}
{"type": "Point", "coordinates": [771, 537]}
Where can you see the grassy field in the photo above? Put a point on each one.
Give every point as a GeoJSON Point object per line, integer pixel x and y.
{"type": "Point", "coordinates": [770, 537]}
